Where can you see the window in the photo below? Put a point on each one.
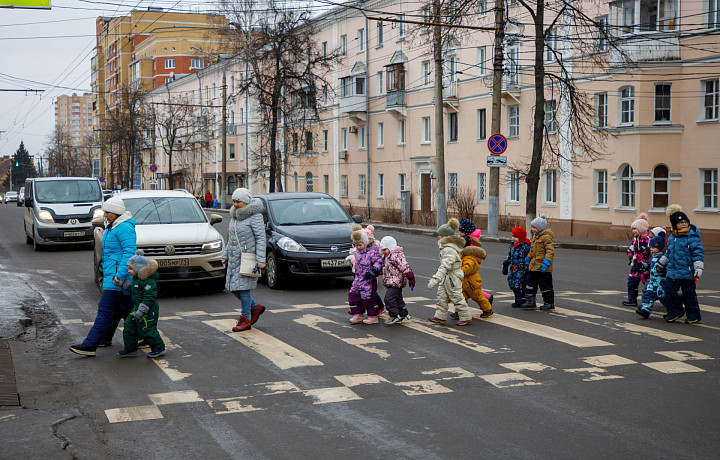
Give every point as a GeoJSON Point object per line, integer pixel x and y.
{"type": "Point", "coordinates": [426, 74]}
{"type": "Point", "coordinates": [325, 95]}
{"type": "Point", "coordinates": [712, 14]}
{"type": "Point", "coordinates": [601, 110]}
{"type": "Point", "coordinates": [196, 63]}
{"type": "Point", "coordinates": [549, 186]}
{"type": "Point", "coordinates": [381, 185]}
{"type": "Point", "coordinates": [402, 183]}
{"type": "Point", "coordinates": [513, 187]}
{"type": "Point", "coordinates": [380, 82]}
{"type": "Point", "coordinates": [481, 7]}
{"type": "Point", "coordinates": [361, 40]}
{"type": "Point", "coordinates": [401, 28]}
{"type": "Point", "coordinates": [361, 137]}
{"type": "Point", "coordinates": [359, 86]}
{"type": "Point", "coordinates": [627, 187]}
{"type": "Point", "coordinates": [344, 185]}
{"type": "Point", "coordinates": [481, 124]}
{"type": "Point", "coordinates": [168, 80]}
{"type": "Point", "coordinates": [550, 117]}
{"type": "Point", "coordinates": [232, 151]}
{"type": "Point", "coordinates": [169, 63]}
{"type": "Point", "coordinates": [653, 15]}
{"type": "Point", "coordinates": [425, 130]}
{"type": "Point", "coordinates": [362, 186]}
{"type": "Point", "coordinates": [452, 184]}
{"type": "Point", "coordinates": [481, 60]}
{"type": "Point", "coordinates": [452, 67]}
{"type": "Point", "coordinates": [296, 181]}
{"type": "Point", "coordinates": [401, 132]}
{"type": "Point", "coordinates": [426, 18]}
{"type": "Point", "coordinates": [309, 182]}
{"type": "Point", "coordinates": [662, 102]}
{"type": "Point", "coordinates": [343, 45]}
{"type": "Point", "coordinates": [325, 140]}
{"type": "Point", "coordinates": [452, 127]}
{"type": "Point", "coordinates": [481, 187]}
{"type": "Point", "coordinates": [660, 187]}
{"type": "Point", "coordinates": [601, 183]}
{"type": "Point", "coordinates": [709, 189]}
{"type": "Point", "coordinates": [512, 77]}
{"type": "Point", "coordinates": [627, 105]}
{"type": "Point", "coordinates": [602, 33]}
{"type": "Point", "coordinates": [324, 50]}
{"type": "Point", "coordinates": [710, 93]}
{"type": "Point", "coordinates": [550, 46]}
{"type": "Point", "coordinates": [381, 134]}
{"type": "Point", "coordinates": [343, 139]}
{"type": "Point", "coordinates": [623, 13]}
{"type": "Point", "coordinates": [514, 121]}
{"type": "Point", "coordinates": [295, 142]}
{"type": "Point", "coordinates": [309, 144]}
{"type": "Point", "coordinates": [230, 184]}
{"type": "Point", "coordinates": [379, 28]}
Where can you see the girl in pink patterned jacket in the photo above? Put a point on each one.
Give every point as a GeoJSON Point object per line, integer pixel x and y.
{"type": "Point", "coordinates": [368, 265]}
{"type": "Point", "coordinates": [638, 258]}
{"type": "Point", "coordinates": [395, 270]}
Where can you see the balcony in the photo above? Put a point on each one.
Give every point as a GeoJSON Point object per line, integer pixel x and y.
{"type": "Point", "coordinates": [355, 106]}
{"type": "Point", "coordinates": [451, 96]}
{"type": "Point", "coordinates": [395, 102]}
{"type": "Point", "coordinates": [645, 47]}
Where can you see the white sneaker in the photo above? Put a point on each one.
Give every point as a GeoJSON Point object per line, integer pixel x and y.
{"type": "Point", "coordinates": [404, 319]}
{"type": "Point", "coordinates": [396, 320]}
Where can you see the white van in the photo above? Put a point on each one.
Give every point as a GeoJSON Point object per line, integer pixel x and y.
{"type": "Point", "coordinates": [59, 210]}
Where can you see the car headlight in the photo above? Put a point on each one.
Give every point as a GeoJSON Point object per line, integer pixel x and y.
{"type": "Point", "coordinates": [45, 216]}
{"type": "Point", "coordinates": [213, 246]}
{"type": "Point", "coordinates": [98, 213]}
{"type": "Point", "coordinates": [290, 245]}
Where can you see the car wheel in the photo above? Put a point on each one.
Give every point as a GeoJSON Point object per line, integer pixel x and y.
{"type": "Point", "coordinates": [97, 269]}
{"type": "Point", "coordinates": [272, 271]}
{"type": "Point", "coordinates": [28, 240]}
{"type": "Point", "coordinates": [36, 246]}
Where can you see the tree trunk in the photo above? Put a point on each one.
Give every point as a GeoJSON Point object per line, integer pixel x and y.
{"type": "Point", "coordinates": [533, 176]}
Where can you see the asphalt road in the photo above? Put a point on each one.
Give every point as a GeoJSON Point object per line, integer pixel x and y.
{"type": "Point", "coordinates": [590, 380]}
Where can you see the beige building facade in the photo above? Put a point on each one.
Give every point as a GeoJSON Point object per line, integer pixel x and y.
{"type": "Point", "coordinates": [73, 114]}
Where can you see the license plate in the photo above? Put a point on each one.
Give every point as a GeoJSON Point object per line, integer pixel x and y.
{"type": "Point", "coordinates": [74, 234]}
{"type": "Point", "coordinates": [173, 262]}
{"type": "Point", "coordinates": [334, 263]}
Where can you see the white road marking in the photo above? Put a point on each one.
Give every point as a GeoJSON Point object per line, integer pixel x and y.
{"type": "Point", "coordinates": [364, 343]}
{"type": "Point", "coordinates": [173, 374]}
{"type": "Point", "coordinates": [595, 373]}
{"type": "Point", "coordinates": [422, 387]}
{"type": "Point", "coordinates": [683, 355]}
{"type": "Point", "coordinates": [673, 367]}
{"type": "Point", "coordinates": [192, 313]}
{"type": "Point", "coordinates": [455, 373]}
{"type": "Point", "coordinates": [709, 308]}
{"type": "Point", "coordinates": [416, 299]}
{"type": "Point", "coordinates": [509, 379]}
{"type": "Point", "coordinates": [608, 361]}
{"type": "Point", "coordinates": [527, 366]}
{"type": "Point", "coordinates": [332, 395]}
{"type": "Point", "coordinates": [175, 397]}
{"type": "Point", "coordinates": [547, 332]}
{"type": "Point", "coordinates": [360, 379]}
{"type": "Point", "coordinates": [133, 414]}
{"type": "Point", "coordinates": [232, 405]}
{"type": "Point", "coordinates": [278, 352]}
{"type": "Point", "coordinates": [440, 333]}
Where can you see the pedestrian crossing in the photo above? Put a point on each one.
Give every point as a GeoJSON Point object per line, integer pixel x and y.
{"type": "Point", "coordinates": [597, 341]}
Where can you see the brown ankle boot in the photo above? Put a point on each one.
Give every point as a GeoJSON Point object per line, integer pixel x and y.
{"type": "Point", "coordinates": [243, 324]}
{"type": "Point", "coordinates": [255, 313]}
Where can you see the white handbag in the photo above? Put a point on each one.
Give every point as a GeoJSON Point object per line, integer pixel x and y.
{"type": "Point", "coordinates": [248, 261]}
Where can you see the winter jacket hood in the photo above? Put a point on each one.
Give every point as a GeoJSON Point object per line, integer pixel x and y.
{"type": "Point", "coordinates": [148, 270]}
{"type": "Point", "coordinates": [474, 251]}
{"type": "Point", "coordinates": [452, 240]}
{"type": "Point", "coordinates": [254, 207]}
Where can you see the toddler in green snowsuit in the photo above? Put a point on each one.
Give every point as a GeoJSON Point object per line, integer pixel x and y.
{"type": "Point", "coordinates": [142, 321]}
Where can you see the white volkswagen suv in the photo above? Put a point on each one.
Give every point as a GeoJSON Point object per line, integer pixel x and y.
{"type": "Point", "coordinates": [172, 229]}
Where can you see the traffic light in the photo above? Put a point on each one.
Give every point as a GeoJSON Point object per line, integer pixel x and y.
{"type": "Point", "coordinates": [17, 163]}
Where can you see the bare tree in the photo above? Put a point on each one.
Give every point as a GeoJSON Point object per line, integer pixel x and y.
{"type": "Point", "coordinates": [286, 70]}
{"type": "Point", "coordinates": [122, 135]}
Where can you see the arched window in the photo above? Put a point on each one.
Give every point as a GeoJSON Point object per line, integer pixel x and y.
{"type": "Point", "coordinates": [308, 182]}
{"type": "Point", "coordinates": [627, 187]}
{"type": "Point", "coordinates": [660, 187]}
{"type": "Point", "coordinates": [231, 184]}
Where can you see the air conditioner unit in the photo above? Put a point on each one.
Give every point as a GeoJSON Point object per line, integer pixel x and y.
{"type": "Point", "coordinates": [342, 154]}
{"type": "Point", "coordinates": [353, 129]}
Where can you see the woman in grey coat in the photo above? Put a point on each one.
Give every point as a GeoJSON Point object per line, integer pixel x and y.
{"type": "Point", "coordinates": [246, 233]}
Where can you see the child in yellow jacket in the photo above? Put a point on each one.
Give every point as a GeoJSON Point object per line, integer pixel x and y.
{"type": "Point", "coordinates": [472, 256]}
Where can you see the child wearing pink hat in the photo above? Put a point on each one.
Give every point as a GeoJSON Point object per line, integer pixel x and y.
{"type": "Point", "coordinates": [638, 258]}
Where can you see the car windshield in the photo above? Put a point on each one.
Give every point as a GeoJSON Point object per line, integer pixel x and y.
{"type": "Point", "coordinates": [301, 211]}
{"type": "Point", "coordinates": [165, 210]}
{"type": "Point", "coordinates": [67, 191]}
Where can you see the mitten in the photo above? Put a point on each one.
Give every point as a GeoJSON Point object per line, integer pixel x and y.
{"type": "Point", "coordinates": [141, 311]}
{"type": "Point", "coordinates": [698, 265]}
{"type": "Point", "coordinates": [545, 265]}
{"type": "Point", "coordinates": [432, 283]}
{"type": "Point", "coordinates": [646, 266]}
{"type": "Point", "coordinates": [117, 281]}
{"type": "Point", "coordinates": [506, 266]}
{"type": "Point", "coordinates": [661, 265]}
{"type": "Point", "coordinates": [127, 284]}
{"type": "Point", "coordinates": [371, 274]}
{"type": "Point", "coordinates": [411, 279]}
{"type": "Point", "coordinates": [527, 261]}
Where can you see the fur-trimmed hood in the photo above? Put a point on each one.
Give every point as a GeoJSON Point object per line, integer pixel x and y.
{"type": "Point", "coordinates": [254, 207]}
{"type": "Point", "coordinates": [474, 251]}
{"type": "Point", "coordinates": [127, 215]}
{"type": "Point", "coordinates": [456, 240]}
{"type": "Point", "coordinates": [148, 270]}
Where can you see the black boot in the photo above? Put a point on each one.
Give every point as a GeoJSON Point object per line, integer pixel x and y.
{"type": "Point", "coordinates": [547, 306]}
{"type": "Point", "coordinates": [528, 304]}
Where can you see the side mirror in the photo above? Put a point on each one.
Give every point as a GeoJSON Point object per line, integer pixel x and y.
{"type": "Point", "coordinates": [357, 219]}
{"type": "Point", "coordinates": [98, 222]}
{"type": "Point", "coordinates": [28, 202]}
{"type": "Point", "coordinates": [215, 219]}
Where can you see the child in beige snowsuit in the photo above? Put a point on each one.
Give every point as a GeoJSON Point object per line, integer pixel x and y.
{"type": "Point", "coordinates": [449, 276]}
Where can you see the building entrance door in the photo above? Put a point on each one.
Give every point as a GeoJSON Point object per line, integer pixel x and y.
{"type": "Point", "coordinates": [425, 193]}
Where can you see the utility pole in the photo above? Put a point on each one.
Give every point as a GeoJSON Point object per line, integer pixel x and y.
{"type": "Point", "coordinates": [223, 176]}
{"type": "Point", "coordinates": [493, 202]}
{"type": "Point", "coordinates": [440, 213]}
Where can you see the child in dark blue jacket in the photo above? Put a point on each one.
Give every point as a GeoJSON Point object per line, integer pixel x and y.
{"type": "Point", "coordinates": [514, 265]}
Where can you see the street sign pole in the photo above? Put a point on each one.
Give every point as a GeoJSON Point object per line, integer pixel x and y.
{"type": "Point", "coordinates": [494, 197]}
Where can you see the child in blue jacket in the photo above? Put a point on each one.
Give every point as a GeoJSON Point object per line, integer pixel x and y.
{"type": "Point", "coordinates": [655, 289]}
{"type": "Point", "coordinates": [684, 262]}
{"type": "Point", "coordinates": [514, 264]}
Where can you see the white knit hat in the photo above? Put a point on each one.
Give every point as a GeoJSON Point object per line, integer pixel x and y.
{"type": "Point", "coordinates": [114, 205]}
{"type": "Point", "coordinates": [388, 242]}
{"type": "Point", "coordinates": [242, 194]}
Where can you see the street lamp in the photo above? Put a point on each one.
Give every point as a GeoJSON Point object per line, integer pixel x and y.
{"type": "Point", "coordinates": [223, 176]}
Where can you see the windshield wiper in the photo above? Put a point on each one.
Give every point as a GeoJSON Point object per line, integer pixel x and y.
{"type": "Point", "coordinates": [322, 222]}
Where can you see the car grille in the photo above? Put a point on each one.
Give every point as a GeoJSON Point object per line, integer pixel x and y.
{"type": "Point", "coordinates": [66, 219]}
{"type": "Point", "coordinates": [182, 273]}
{"type": "Point", "coordinates": [69, 239]}
{"type": "Point", "coordinates": [342, 247]}
{"type": "Point", "coordinates": [180, 250]}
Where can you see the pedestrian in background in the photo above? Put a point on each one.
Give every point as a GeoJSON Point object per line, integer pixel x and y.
{"type": "Point", "coordinates": [540, 265]}
{"type": "Point", "coordinates": [685, 261]}
{"type": "Point", "coordinates": [514, 265]}
{"type": "Point", "coordinates": [246, 234]}
{"type": "Point", "coordinates": [141, 323]}
{"type": "Point", "coordinates": [655, 289]}
{"type": "Point", "coordinates": [363, 292]}
{"type": "Point", "coordinates": [395, 269]}
{"type": "Point", "coordinates": [118, 245]}
{"type": "Point", "coordinates": [449, 275]}
{"type": "Point", "coordinates": [639, 259]}
{"type": "Point", "coordinates": [208, 199]}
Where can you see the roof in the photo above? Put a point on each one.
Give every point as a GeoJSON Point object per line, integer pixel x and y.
{"type": "Point", "coordinates": [42, 179]}
{"type": "Point", "coordinates": [293, 195]}
{"type": "Point", "coordinates": [154, 194]}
